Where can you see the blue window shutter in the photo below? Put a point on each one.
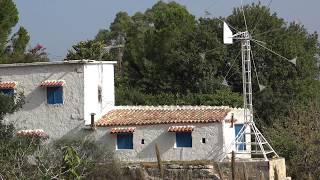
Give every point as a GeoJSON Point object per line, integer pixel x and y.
{"type": "Point", "coordinates": [7, 91]}
{"type": "Point", "coordinates": [237, 129]}
{"type": "Point", "coordinates": [50, 95]}
{"type": "Point", "coordinates": [183, 139]}
{"type": "Point", "coordinates": [55, 95]}
{"type": "Point", "coordinates": [125, 141]}
{"type": "Point", "coordinates": [58, 95]}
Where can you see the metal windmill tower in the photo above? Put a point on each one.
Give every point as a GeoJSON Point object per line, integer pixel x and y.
{"type": "Point", "coordinates": [249, 140]}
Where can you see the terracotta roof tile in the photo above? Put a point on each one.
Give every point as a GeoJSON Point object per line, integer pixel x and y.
{"type": "Point", "coordinates": [8, 84]}
{"type": "Point", "coordinates": [140, 115]}
{"type": "Point", "coordinates": [52, 83]}
{"type": "Point", "coordinates": [32, 133]}
{"type": "Point", "coordinates": [122, 130]}
{"type": "Point", "coordinates": [180, 128]}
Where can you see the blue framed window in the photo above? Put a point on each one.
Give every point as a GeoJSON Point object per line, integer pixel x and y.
{"type": "Point", "coordinates": [125, 141]}
{"type": "Point", "coordinates": [183, 139]}
{"type": "Point", "coordinates": [7, 91]}
{"type": "Point", "coordinates": [55, 95]}
{"type": "Point", "coordinates": [241, 146]}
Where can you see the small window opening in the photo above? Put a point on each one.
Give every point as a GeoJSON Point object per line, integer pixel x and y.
{"type": "Point", "coordinates": [55, 95]}
{"type": "Point", "coordinates": [203, 140]}
{"type": "Point", "coordinates": [142, 141]}
{"type": "Point", "coordinates": [125, 141]}
{"type": "Point", "coordinates": [99, 94]}
{"type": "Point", "coordinates": [183, 139]}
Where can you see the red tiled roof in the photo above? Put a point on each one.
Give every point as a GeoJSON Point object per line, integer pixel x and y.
{"type": "Point", "coordinates": [140, 115]}
{"type": "Point", "coordinates": [7, 84]}
{"type": "Point", "coordinates": [52, 83]}
{"type": "Point", "coordinates": [122, 130]}
{"type": "Point", "coordinates": [180, 129]}
{"type": "Point", "coordinates": [32, 133]}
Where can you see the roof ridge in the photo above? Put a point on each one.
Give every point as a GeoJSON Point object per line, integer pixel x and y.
{"type": "Point", "coordinates": [171, 107]}
{"type": "Point", "coordinates": [143, 115]}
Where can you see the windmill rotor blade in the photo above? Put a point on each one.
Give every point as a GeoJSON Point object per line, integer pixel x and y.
{"type": "Point", "coordinates": [261, 87]}
{"type": "Point", "coordinates": [294, 61]}
{"type": "Point", "coordinates": [225, 82]}
{"type": "Point", "coordinates": [262, 42]}
{"type": "Point", "coordinates": [270, 50]}
{"type": "Point", "coordinates": [265, 32]}
{"type": "Point", "coordinates": [202, 55]}
{"type": "Point", "coordinates": [244, 16]}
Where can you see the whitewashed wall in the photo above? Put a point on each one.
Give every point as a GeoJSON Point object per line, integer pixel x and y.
{"type": "Point", "coordinates": [95, 75]}
{"type": "Point", "coordinates": [229, 131]}
{"type": "Point", "coordinates": [166, 140]}
{"type": "Point", "coordinates": [55, 119]}
{"type": "Point", "coordinates": [79, 95]}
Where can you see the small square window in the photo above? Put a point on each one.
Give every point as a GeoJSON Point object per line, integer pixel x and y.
{"type": "Point", "coordinates": [125, 141]}
{"type": "Point", "coordinates": [7, 91]}
{"type": "Point", "coordinates": [183, 139]}
{"type": "Point", "coordinates": [142, 141]}
{"type": "Point", "coordinates": [55, 95]}
{"type": "Point", "coordinates": [203, 140]}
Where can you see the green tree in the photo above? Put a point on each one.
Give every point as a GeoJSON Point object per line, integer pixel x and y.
{"type": "Point", "coordinates": [8, 19]}
{"type": "Point", "coordinates": [13, 49]}
{"type": "Point", "coordinates": [296, 137]}
{"type": "Point", "coordinates": [89, 49]}
{"type": "Point", "coordinates": [20, 40]}
{"type": "Point", "coordinates": [162, 53]}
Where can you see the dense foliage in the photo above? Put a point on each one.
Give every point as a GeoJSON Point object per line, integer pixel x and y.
{"type": "Point", "coordinates": [296, 137]}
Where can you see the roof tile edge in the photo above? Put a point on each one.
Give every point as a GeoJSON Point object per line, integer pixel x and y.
{"type": "Point", "coordinates": [165, 107]}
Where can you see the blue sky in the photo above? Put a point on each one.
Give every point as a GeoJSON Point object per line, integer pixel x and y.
{"type": "Point", "coordinates": [58, 24]}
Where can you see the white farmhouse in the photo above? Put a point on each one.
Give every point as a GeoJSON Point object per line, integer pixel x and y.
{"type": "Point", "coordinates": [65, 99]}
{"type": "Point", "coordinates": [60, 96]}
{"type": "Point", "coordinates": [181, 132]}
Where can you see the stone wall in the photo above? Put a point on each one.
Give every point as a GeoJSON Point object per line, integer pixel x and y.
{"type": "Point", "coordinates": [246, 170]}
{"type": "Point", "coordinates": [171, 171]}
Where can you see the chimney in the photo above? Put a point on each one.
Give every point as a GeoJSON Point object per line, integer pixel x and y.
{"type": "Point", "coordinates": [93, 126]}
{"type": "Point", "coordinates": [232, 119]}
